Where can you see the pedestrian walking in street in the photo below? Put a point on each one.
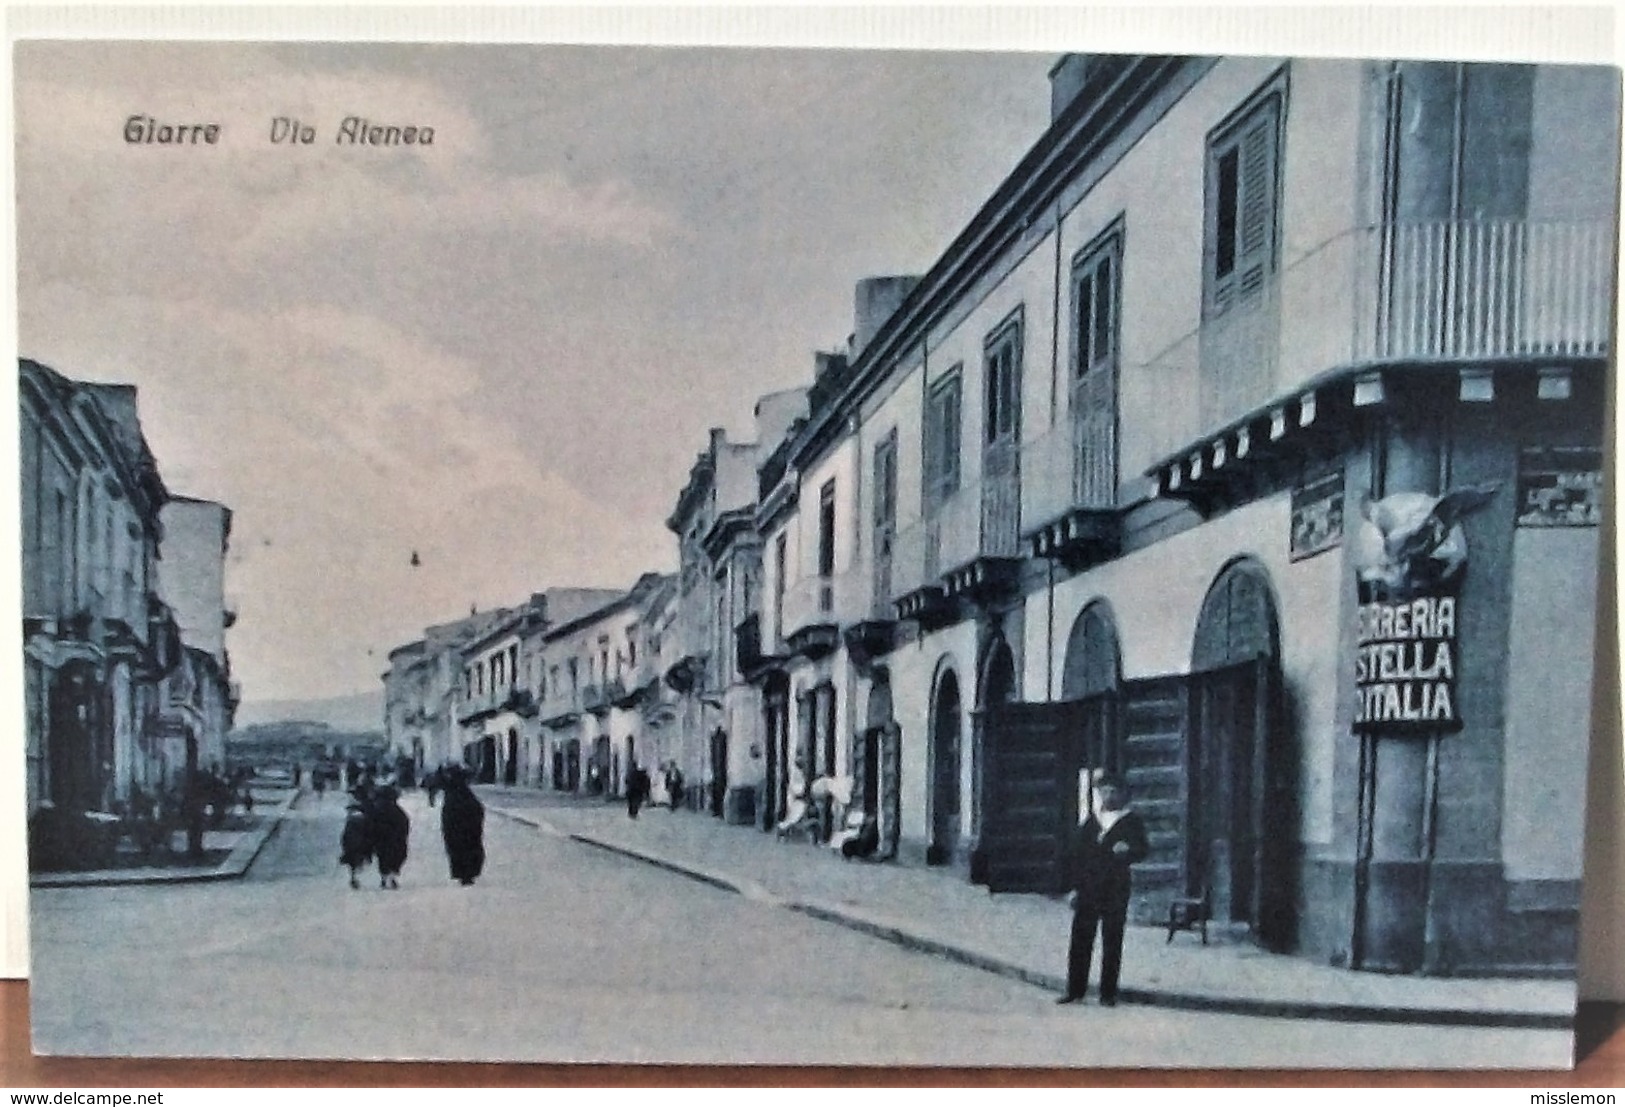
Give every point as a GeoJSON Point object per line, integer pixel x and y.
{"type": "Point", "coordinates": [356, 842]}
{"type": "Point", "coordinates": [462, 825]}
{"type": "Point", "coordinates": [674, 785]}
{"type": "Point", "coordinates": [431, 784]}
{"type": "Point", "coordinates": [318, 781]}
{"type": "Point", "coordinates": [637, 789]}
{"type": "Point", "coordinates": [390, 828]}
{"type": "Point", "coordinates": [1098, 857]}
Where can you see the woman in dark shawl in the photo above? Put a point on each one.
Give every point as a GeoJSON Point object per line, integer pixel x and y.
{"type": "Point", "coordinates": [356, 845]}
{"type": "Point", "coordinates": [390, 827]}
{"type": "Point", "coordinates": [462, 824]}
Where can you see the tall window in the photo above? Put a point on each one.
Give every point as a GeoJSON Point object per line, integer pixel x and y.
{"type": "Point", "coordinates": [780, 559]}
{"type": "Point", "coordinates": [826, 543]}
{"type": "Point", "coordinates": [941, 446]}
{"type": "Point", "coordinates": [1002, 379]}
{"type": "Point", "coordinates": [1094, 307]}
{"type": "Point", "coordinates": [1242, 203]}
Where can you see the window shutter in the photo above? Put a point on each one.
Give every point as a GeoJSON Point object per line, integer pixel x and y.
{"type": "Point", "coordinates": [1257, 204]}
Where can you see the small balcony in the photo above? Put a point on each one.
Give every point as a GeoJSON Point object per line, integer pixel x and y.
{"type": "Point", "coordinates": [1069, 491]}
{"type": "Point", "coordinates": [595, 699]}
{"type": "Point", "coordinates": [752, 656]}
{"type": "Point", "coordinates": [1476, 293]}
{"type": "Point", "coordinates": [813, 611]}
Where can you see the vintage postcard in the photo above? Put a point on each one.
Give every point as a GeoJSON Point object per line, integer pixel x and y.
{"type": "Point", "coordinates": [791, 556]}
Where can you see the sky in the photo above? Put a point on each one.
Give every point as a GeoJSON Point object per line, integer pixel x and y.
{"type": "Point", "coordinates": [502, 351]}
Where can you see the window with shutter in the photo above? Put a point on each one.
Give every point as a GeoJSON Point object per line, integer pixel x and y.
{"type": "Point", "coordinates": [1242, 205]}
{"type": "Point", "coordinates": [941, 441]}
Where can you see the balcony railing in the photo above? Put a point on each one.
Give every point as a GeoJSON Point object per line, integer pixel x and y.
{"type": "Point", "coordinates": [1477, 290]}
{"type": "Point", "coordinates": [836, 600]}
{"type": "Point", "coordinates": [978, 520]}
{"type": "Point", "coordinates": [1072, 465]}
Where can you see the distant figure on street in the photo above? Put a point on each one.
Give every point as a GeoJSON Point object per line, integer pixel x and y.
{"type": "Point", "coordinates": [431, 784]}
{"type": "Point", "coordinates": [674, 785]}
{"type": "Point", "coordinates": [1097, 864]}
{"type": "Point", "coordinates": [298, 771]}
{"type": "Point", "coordinates": [356, 840]}
{"type": "Point", "coordinates": [318, 781]}
{"type": "Point", "coordinates": [462, 825]}
{"type": "Point", "coordinates": [390, 828]}
{"type": "Point", "coordinates": [637, 789]}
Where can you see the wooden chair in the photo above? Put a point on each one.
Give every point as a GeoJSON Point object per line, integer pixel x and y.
{"type": "Point", "coordinates": [1190, 913]}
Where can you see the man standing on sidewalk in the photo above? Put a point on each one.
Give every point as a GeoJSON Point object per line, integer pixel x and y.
{"type": "Point", "coordinates": [1097, 862]}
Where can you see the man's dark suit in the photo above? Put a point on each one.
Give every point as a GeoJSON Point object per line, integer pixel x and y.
{"type": "Point", "coordinates": [1100, 877]}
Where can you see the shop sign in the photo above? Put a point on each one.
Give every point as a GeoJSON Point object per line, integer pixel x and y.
{"type": "Point", "coordinates": [1410, 555]}
{"type": "Point", "coordinates": [1317, 516]}
{"type": "Point", "coordinates": [1405, 664]}
{"type": "Point", "coordinates": [1560, 487]}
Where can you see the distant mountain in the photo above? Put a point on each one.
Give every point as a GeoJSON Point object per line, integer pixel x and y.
{"type": "Point", "coordinates": [361, 712]}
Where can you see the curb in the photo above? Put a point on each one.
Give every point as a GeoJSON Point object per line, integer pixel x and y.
{"type": "Point", "coordinates": [1171, 1000]}
{"type": "Point", "coordinates": [234, 867]}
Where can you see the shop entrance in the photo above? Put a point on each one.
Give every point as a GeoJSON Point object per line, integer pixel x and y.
{"type": "Point", "coordinates": [1241, 801]}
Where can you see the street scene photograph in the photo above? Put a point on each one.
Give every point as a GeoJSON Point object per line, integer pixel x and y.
{"type": "Point", "coordinates": [809, 557]}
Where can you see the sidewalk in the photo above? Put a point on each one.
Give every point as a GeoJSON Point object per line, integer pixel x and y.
{"type": "Point", "coordinates": [270, 805]}
{"type": "Point", "coordinates": [1025, 936]}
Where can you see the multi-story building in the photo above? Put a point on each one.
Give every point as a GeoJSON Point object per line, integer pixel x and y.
{"type": "Point", "coordinates": [1243, 443]}
{"type": "Point", "coordinates": [201, 704]}
{"type": "Point", "coordinates": [422, 687]}
{"type": "Point", "coordinates": [719, 558]}
{"type": "Point", "coordinates": [600, 681]}
{"type": "Point", "coordinates": [98, 642]}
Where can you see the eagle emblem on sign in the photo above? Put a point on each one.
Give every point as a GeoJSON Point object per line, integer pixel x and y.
{"type": "Point", "coordinates": [1409, 544]}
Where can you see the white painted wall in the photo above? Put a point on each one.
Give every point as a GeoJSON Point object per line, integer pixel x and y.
{"type": "Point", "coordinates": [1548, 701]}
{"type": "Point", "coordinates": [1157, 594]}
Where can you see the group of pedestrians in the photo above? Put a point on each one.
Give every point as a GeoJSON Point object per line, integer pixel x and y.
{"type": "Point", "coordinates": [376, 828]}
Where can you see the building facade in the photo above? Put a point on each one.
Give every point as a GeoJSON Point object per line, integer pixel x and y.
{"type": "Point", "coordinates": [126, 693]}
{"type": "Point", "coordinates": [1239, 445]}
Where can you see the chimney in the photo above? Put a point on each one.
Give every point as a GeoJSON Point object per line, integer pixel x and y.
{"type": "Point", "coordinates": [875, 301]}
{"type": "Point", "coordinates": [1066, 80]}
{"type": "Point", "coordinates": [825, 363]}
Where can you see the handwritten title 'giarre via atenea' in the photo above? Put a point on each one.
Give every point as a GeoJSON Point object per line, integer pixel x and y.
{"type": "Point", "coordinates": [353, 130]}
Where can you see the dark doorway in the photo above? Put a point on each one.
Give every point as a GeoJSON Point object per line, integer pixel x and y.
{"type": "Point", "coordinates": [598, 773]}
{"type": "Point", "coordinates": [510, 771]}
{"type": "Point", "coordinates": [572, 765]}
{"type": "Point", "coordinates": [945, 727]}
{"type": "Point", "coordinates": [719, 770]}
{"type": "Point", "coordinates": [488, 760]}
{"type": "Point", "coordinates": [776, 721]}
{"type": "Point", "coordinates": [1240, 763]}
{"type": "Point", "coordinates": [1091, 677]}
{"type": "Point", "coordinates": [78, 723]}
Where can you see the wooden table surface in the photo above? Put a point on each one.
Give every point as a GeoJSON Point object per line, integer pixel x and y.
{"type": "Point", "coordinates": [1601, 1034]}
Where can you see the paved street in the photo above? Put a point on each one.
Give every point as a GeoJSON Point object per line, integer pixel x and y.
{"type": "Point", "coordinates": [565, 952]}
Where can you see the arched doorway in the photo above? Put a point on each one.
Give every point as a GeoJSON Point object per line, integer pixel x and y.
{"type": "Point", "coordinates": [944, 749]}
{"type": "Point", "coordinates": [1240, 802]}
{"type": "Point", "coordinates": [878, 764]}
{"type": "Point", "coordinates": [1091, 674]}
{"type": "Point", "coordinates": [510, 771]}
{"type": "Point", "coordinates": [995, 687]}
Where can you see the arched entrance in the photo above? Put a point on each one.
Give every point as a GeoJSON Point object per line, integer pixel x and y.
{"type": "Point", "coordinates": [510, 771]}
{"type": "Point", "coordinates": [995, 687]}
{"type": "Point", "coordinates": [945, 726]}
{"type": "Point", "coordinates": [878, 764]}
{"type": "Point", "coordinates": [1240, 802]}
{"type": "Point", "coordinates": [1091, 674]}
